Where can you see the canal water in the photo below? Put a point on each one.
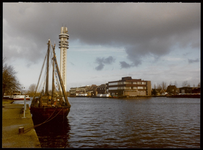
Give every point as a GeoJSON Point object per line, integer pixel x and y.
{"type": "Point", "coordinates": [156, 122]}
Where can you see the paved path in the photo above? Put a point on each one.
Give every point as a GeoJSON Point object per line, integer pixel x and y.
{"type": "Point", "coordinates": [12, 119]}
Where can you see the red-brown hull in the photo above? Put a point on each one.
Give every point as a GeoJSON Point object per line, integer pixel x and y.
{"type": "Point", "coordinates": [50, 112]}
{"type": "Point", "coordinates": [20, 99]}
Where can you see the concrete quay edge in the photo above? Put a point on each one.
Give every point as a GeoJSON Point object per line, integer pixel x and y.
{"type": "Point", "coordinates": [12, 119]}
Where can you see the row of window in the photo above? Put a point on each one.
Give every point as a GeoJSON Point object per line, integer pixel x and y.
{"type": "Point", "coordinates": [121, 83]}
{"type": "Point", "coordinates": [122, 88]}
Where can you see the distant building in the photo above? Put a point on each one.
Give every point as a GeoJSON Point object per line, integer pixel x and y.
{"type": "Point", "coordinates": [185, 90]}
{"type": "Point", "coordinates": [83, 91]}
{"type": "Point", "coordinates": [72, 91]}
{"type": "Point", "coordinates": [160, 92]}
{"type": "Point", "coordinates": [93, 90]}
{"type": "Point", "coordinates": [196, 90]}
{"type": "Point", "coordinates": [172, 90]}
{"type": "Point", "coordinates": [102, 89]}
{"type": "Point", "coordinates": [128, 87]}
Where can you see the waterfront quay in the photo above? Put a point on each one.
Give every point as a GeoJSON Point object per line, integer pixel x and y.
{"type": "Point", "coordinates": [13, 118]}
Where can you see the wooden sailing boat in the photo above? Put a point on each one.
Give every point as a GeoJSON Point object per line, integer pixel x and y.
{"type": "Point", "coordinates": [54, 105]}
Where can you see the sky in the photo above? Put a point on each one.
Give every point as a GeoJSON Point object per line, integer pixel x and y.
{"type": "Point", "coordinates": [157, 42]}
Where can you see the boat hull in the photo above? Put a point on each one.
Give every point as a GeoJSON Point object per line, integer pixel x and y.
{"type": "Point", "coordinates": [6, 97]}
{"type": "Point", "coordinates": [50, 112]}
{"type": "Point", "coordinates": [16, 97]}
{"type": "Point", "coordinates": [20, 98]}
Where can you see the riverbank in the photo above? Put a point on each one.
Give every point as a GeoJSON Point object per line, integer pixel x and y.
{"type": "Point", "coordinates": [12, 119]}
{"type": "Point", "coordinates": [146, 96]}
{"type": "Point", "coordinates": [7, 101]}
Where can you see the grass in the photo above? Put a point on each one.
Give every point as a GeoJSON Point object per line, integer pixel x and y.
{"type": "Point", "coordinates": [6, 101]}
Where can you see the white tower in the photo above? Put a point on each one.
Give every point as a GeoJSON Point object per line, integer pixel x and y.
{"type": "Point", "coordinates": [63, 45]}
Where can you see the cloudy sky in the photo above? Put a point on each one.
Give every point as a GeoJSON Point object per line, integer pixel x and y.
{"type": "Point", "coordinates": [107, 41]}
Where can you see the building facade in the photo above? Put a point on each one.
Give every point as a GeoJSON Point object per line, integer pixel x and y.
{"type": "Point", "coordinates": [172, 90]}
{"type": "Point", "coordinates": [72, 91]}
{"type": "Point", "coordinates": [186, 89]}
{"type": "Point", "coordinates": [102, 89]}
{"type": "Point", "coordinates": [128, 87]}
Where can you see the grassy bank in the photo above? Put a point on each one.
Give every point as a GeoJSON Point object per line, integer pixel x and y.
{"type": "Point", "coordinates": [6, 101]}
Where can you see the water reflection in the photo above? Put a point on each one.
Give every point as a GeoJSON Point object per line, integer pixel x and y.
{"type": "Point", "coordinates": [54, 133]}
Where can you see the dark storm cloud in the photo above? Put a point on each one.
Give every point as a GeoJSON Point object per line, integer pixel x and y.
{"type": "Point", "coordinates": [140, 28]}
{"type": "Point", "coordinates": [193, 60]}
{"type": "Point", "coordinates": [100, 67]}
{"type": "Point", "coordinates": [124, 64]}
{"type": "Point", "coordinates": [104, 61]}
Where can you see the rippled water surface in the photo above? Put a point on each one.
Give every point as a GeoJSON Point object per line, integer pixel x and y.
{"type": "Point", "coordinates": [126, 123]}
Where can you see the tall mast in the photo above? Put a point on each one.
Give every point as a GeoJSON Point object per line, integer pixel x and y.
{"type": "Point", "coordinates": [47, 77]}
{"type": "Point", "coordinates": [60, 80]}
{"type": "Point", "coordinates": [53, 47]}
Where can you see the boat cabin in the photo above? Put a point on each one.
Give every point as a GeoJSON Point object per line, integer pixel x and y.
{"type": "Point", "coordinates": [16, 93]}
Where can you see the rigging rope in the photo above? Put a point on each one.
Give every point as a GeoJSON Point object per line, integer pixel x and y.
{"type": "Point", "coordinates": [39, 76]}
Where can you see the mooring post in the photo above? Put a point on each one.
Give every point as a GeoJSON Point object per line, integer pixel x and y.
{"type": "Point", "coordinates": [24, 105]}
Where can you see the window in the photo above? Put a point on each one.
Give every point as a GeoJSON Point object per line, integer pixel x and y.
{"type": "Point", "coordinates": [120, 83]}
{"type": "Point", "coordinates": [134, 87]}
{"type": "Point", "coordinates": [113, 88]}
{"type": "Point", "coordinates": [121, 87]}
{"type": "Point", "coordinates": [127, 87]}
{"type": "Point", "coordinates": [127, 82]}
{"type": "Point", "coordinates": [134, 82]}
{"type": "Point", "coordinates": [115, 83]}
{"type": "Point", "coordinates": [144, 83]}
{"type": "Point", "coordinates": [140, 87]}
{"type": "Point", "coordinates": [138, 82]}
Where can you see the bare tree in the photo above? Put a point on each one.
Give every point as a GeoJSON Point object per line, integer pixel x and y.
{"type": "Point", "coordinates": [185, 83]}
{"type": "Point", "coordinates": [159, 87]}
{"type": "Point", "coordinates": [31, 90]}
{"type": "Point", "coordinates": [163, 85]}
{"type": "Point", "coordinates": [32, 87]}
{"type": "Point", "coordinates": [154, 86]}
{"type": "Point", "coordinates": [176, 84]}
{"type": "Point", "coordinates": [9, 80]}
{"type": "Point", "coordinates": [199, 85]}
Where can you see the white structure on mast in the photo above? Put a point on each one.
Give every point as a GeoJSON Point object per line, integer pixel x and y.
{"type": "Point", "coordinates": [63, 45]}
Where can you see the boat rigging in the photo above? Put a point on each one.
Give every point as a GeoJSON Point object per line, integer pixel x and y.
{"type": "Point", "coordinates": [49, 104]}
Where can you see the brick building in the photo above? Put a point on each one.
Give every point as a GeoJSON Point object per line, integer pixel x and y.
{"type": "Point", "coordinates": [172, 90]}
{"type": "Point", "coordinates": [102, 89]}
{"type": "Point", "coordinates": [128, 87]}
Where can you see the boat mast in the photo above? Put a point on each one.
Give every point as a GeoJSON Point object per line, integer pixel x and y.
{"type": "Point", "coordinates": [47, 77]}
{"type": "Point", "coordinates": [53, 73]}
{"type": "Point", "coordinates": [60, 79]}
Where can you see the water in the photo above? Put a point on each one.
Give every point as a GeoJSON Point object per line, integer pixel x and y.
{"type": "Point", "coordinates": [126, 123]}
{"type": "Point", "coordinates": [22, 101]}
